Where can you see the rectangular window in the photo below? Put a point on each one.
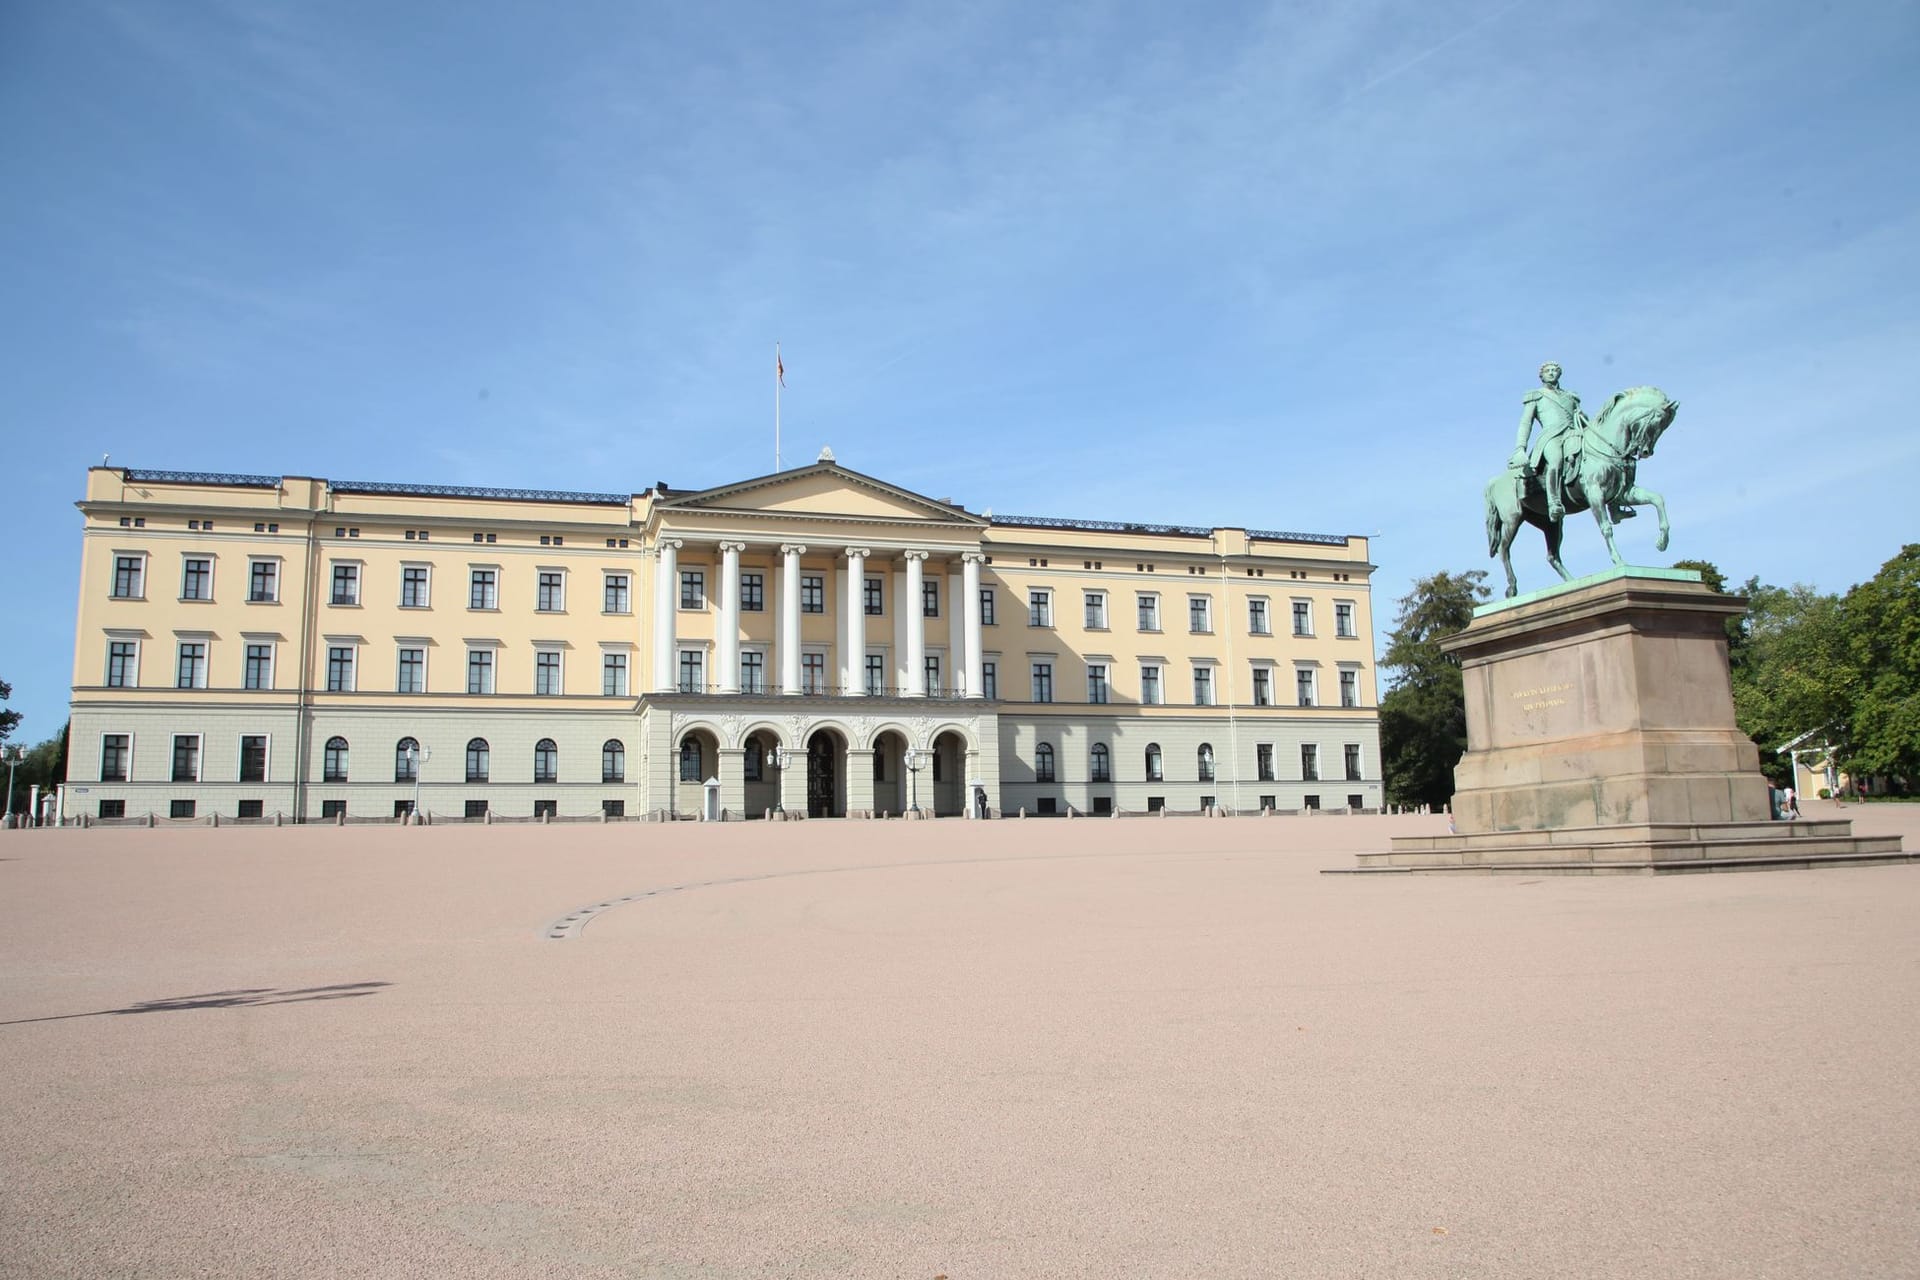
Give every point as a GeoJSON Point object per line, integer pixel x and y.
{"type": "Point", "coordinates": [618, 593]}
{"type": "Point", "coordinates": [930, 599]}
{"type": "Point", "coordinates": [1200, 614]}
{"type": "Point", "coordinates": [1102, 805]}
{"type": "Point", "coordinates": [116, 751]}
{"type": "Point", "coordinates": [1156, 803]}
{"type": "Point", "coordinates": [485, 590]}
{"type": "Point", "coordinates": [813, 673]}
{"type": "Point", "coordinates": [412, 676]}
{"type": "Point", "coordinates": [1262, 686]}
{"type": "Point", "coordinates": [186, 757]}
{"type": "Point", "coordinates": [1303, 686]}
{"type": "Point", "coordinates": [1039, 608]}
{"type": "Point", "coordinates": [930, 672]}
{"type": "Point", "coordinates": [614, 808]}
{"type": "Point", "coordinates": [180, 808]}
{"type": "Point", "coordinates": [1203, 686]}
{"type": "Point", "coordinates": [128, 575]}
{"type": "Point", "coordinates": [473, 810]}
{"type": "Point", "coordinates": [250, 809]}
{"type": "Point", "coordinates": [876, 674]}
{"type": "Point", "coordinates": [1263, 761]}
{"type": "Point", "coordinates": [192, 672]}
{"type": "Point", "coordinates": [263, 582]}
{"type": "Point", "coordinates": [551, 597]}
{"type": "Point", "coordinates": [403, 808]}
{"type": "Point", "coordinates": [990, 680]}
{"type": "Point", "coordinates": [123, 663]}
{"type": "Point", "coordinates": [479, 671]}
{"type": "Point", "coordinates": [1343, 620]}
{"type": "Point", "coordinates": [1149, 611]}
{"type": "Point", "coordinates": [196, 580]}
{"type": "Point", "coordinates": [753, 671]}
{"type": "Point", "coordinates": [1302, 617]}
{"type": "Point", "coordinates": [332, 809]}
{"type": "Point", "coordinates": [546, 672]}
{"type": "Point", "coordinates": [1353, 762]}
{"type": "Point", "coordinates": [613, 675]}
{"type": "Point", "coordinates": [113, 808]}
{"type": "Point", "coordinates": [1150, 694]}
{"type": "Point", "coordinates": [1257, 621]}
{"type": "Point", "coordinates": [1096, 682]}
{"type": "Point", "coordinates": [340, 669]}
{"type": "Point", "coordinates": [693, 671]}
{"type": "Point", "coordinates": [1349, 688]}
{"type": "Point", "coordinates": [1096, 602]}
{"type": "Point", "coordinates": [986, 607]}
{"type": "Point", "coordinates": [874, 599]}
{"type": "Point", "coordinates": [413, 587]}
{"type": "Point", "coordinates": [753, 593]}
{"type": "Point", "coordinates": [253, 758]}
{"type": "Point", "coordinates": [346, 584]}
{"type": "Point", "coordinates": [1309, 762]}
{"type": "Point", "coordinates": [1043, 682]}
{"type": "Point", "coordinates": [813, 593]}
{"type": "Point", "coordinates": [693, 589]}
{"type": "Point", "coordinates": [258, 673]}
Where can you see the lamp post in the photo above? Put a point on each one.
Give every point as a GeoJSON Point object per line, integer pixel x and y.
{"type": "Point", "coordinates": [417, 756]}
{"type": "Point", "coordinates": [15, 755]}
{"type": "Point", "coordinates": [779, 761]}
{"type": "Point", "coordinates": [914, 759]}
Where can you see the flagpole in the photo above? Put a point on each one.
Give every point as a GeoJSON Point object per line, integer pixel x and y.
{"type": "Point", "coordinates": [776, 406]}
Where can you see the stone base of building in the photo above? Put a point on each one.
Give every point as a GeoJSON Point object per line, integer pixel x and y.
{"type": "Point", "coordinates": [1601, 737]}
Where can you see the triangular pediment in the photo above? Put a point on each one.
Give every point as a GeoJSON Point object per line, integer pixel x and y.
{"type": "Point", "coordinates": [825, 489]}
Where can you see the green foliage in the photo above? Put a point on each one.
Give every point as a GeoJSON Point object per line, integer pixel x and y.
{"type": "Point", "coordinates": [1423, 717]}
{"type": "Point", "coordinates": [9, 720]}
{"type": "Point", "coordinates": [1883, 646]}
{"type": "Point", "coordinates": [44, 763]}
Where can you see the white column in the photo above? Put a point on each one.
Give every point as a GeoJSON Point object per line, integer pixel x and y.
{"type": "Point", "coordinates": [971, 612]}
{"type": "Point", "coordinates": [916, 625]}
{"type": "Point", "coordinates": [666, 616]}
{"type": "Point", "coordinates": [726, 645]}
{"type": "Point", "coordinates": [955, 672]}
{"type": "Point", "coordinates": [790, 617]}
{"type": "Point", "coordinates": [854, 660]}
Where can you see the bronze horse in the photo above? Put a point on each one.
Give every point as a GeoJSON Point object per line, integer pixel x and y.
{"type": "Point", "coordinates": [1601, 457]}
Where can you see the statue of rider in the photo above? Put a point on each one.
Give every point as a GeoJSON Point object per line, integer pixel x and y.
{"type": "Point", "coordinates": [1558, 412]}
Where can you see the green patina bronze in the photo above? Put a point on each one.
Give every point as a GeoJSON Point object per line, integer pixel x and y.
{"type": "Point", "coordinates": [1576, 464]}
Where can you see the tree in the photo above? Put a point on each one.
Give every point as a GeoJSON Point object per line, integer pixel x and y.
{"type": "Point", "coordinates": [9, 720]}
{"type": "Point", "coordinates": [1423, 717]}
{"type": "Point", "coordinates": [1882, 645]}
{"type": "Point", "coordinates": [45, 764]}
{"type": "Point", "coordinates": [1793, 672]}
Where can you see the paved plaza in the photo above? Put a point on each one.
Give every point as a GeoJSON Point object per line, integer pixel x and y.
{"type": "Point", "coordinates": [1140, 1047]}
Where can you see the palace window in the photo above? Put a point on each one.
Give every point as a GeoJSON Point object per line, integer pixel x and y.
{"type": "Point", "coordinates": [1205, 762]}
{"type": "Point", "coordinates": [1257, 621]}
{"type": "Point", "coordinates": [986, 607]}
{"type": "Point", "coordinates": [1102, 763]}
{"type": "Point", "coordinates": [1343, 620]}
{"type": "Point", "coordinates": [813, 673]}
{"type": "Point", "coordinates": [1097, 682]}
{"type": "Point", "coordinates": [875, 599]}
{"type": "Point", "coordinates": [253, 757]}
{"type": "Point", "coordinates": [258, 673]}
{"type": "Point", "coordinates": [1309, 762]}
{"type": "Point", "coordinates": [690, 759]}
{"type": "Point", "coordinates": [116, 750]}
{"type": "Point", "coordinates": [693, 589]}
{"type": "Point", "coordinates": [1349, 688]}
{"type": "Point", "coordinates": [123, 664]}
{"type": "Point", "coordinates": [613, 761]}
{"type": "Point", "coordinates": [196, 579]}
{"type": "Point", "coordinates": [617, 597]}
{"type": "Point", "coordinates": [753, 593]}
{"type": "Point", "coordinates": [813, 593]}
{"type": "Point", "coordinates": [1039, 608]}
{"type": "Point", "coordinates": [1096, 606]}
{"type": "Point", "coordinates": [1303, 686]}
{"type": "Point", "coordinates": [346, 584]}
{"type": "Point", "coordinates": [1200, 614]}
{"type": "Point", "coordinates": [753, 671]}
{"type": "Point", "coordinates": [1353, 762]}
{"type": "Point", "coordinates": [484, 590]}
{"type": "Point", "coordinates": [1203, 686]}
{"type": "Point", "coordinates": [546, 761]}
{"type": "Point", "coordinates": [412, 676]}
{"type": "Point", "coordinates": [876, 674]}
{"type": "Point", "coordinates": [406, 760]}
{"type": "Point", "coordinates": [413, 587]}
{"type": "Point", "coordinates": [546, 672]}
{"type": "Point", "coordinates": [186, 757]}
{"type": "Point", "coordinates": [1262, 686]}
{"type": "Point", "coordinates": [930, 599]}
{"type": "Point", "coordinates": [1155, 773]}
{"type": "Point", "coordinates": [613, 675]}
{"type": "Point", "coordinates": [192, 668]}
{"type": "Point", "coordinates": [264, 582]}
{"type": "Point", "coordinates": [693, 671]}
{"type": "Point", "coordinates": [1303, 617]}
{"type": "Point", "coordinates": [1043, 682]}
{"type": "Point", "coordinates": [1263, 762]}
{"type": "Point", "coordinates": [479, 765]}
{"type": "Point", "coordinates": [1149, 611]}
{"type": "Point", "coordinates": [129, 574]}
{"type": "Point", "coordinates": [1150, 695]}
{"type": "Point", "coordinates": [333, 762]}
{"type": "Point", "coordinates": [340, 668]}
{"type": "Point", "coordinates": [552, 592]}
{"type": "Point", "coordinates": [1043, 763]}
{"type": "Point", "coordinates": [479, 671]}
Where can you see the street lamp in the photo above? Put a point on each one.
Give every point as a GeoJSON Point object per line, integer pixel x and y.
{"type": "Point", "coordinates": [779, 759]}
{"type": "Point", "coordinates": [915, 759]}
{"type": "Point", "coordinates": [417, 756]}
{"type": "Point", "coordinates": [15, 756]}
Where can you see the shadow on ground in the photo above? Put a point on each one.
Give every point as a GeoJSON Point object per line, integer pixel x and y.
{"type": "Point", "coordinates": [238, 998]}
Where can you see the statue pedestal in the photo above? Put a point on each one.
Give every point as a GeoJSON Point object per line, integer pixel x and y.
{"type": "Point", "coordinates": [1601, 737]}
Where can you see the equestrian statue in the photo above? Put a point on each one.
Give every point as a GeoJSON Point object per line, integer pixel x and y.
{"type": "Point", "coordinates": [1576, 464]}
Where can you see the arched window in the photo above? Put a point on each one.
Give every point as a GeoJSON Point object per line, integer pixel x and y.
{"type": "Point", "coordinates": [406, 760]}
{"type": "Point", "coordinates": [333, 766]}
{"type": "Point", "coordinates": [690, 759]}
{"type": "Point", "coordinates": [478, 759]}
{"type": "Point", "coordinates": [546, 761]}
{"type": "Point", "coordinates": [1206, 762]}
{"type": "Point", "coordinates": [1154, 773]}
{"type": "Point", "coordinates": [753, 764]}
{"type": "Point", "coordinates": [1102, 763]}
{"type": "Point", "coordinates": [1043, 762]}
{"type": "Point", "coordinates": [613, 761]}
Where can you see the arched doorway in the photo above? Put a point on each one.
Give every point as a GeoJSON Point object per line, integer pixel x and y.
{"type": "Point", "coordinates": [949, 775]}
{"type": "Point", "coordinates": [762, 780]}
{"type": "Point", "coordinates": [826, 775]}
{"type": "Point", "coordinates": [696, 758]}
{"type": "Point", "coordinates": [889, 773]}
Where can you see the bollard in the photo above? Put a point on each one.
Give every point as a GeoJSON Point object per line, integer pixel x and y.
{"type": "Point", "coordinates": [216, 819]}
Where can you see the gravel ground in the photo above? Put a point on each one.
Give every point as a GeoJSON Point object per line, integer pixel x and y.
{"type": "Point", "coordinates": [1154, 1047]}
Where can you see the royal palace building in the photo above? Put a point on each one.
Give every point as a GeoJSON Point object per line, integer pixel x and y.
{"type": "Point", "coordinates": [813, 641]}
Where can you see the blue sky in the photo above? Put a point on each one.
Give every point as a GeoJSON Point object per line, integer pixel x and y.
{"type": "Point", "coordinates": [1286, 265]}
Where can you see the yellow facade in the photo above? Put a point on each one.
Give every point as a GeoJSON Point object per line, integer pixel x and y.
{"type": "Point", "coordinates": [252, 646]}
